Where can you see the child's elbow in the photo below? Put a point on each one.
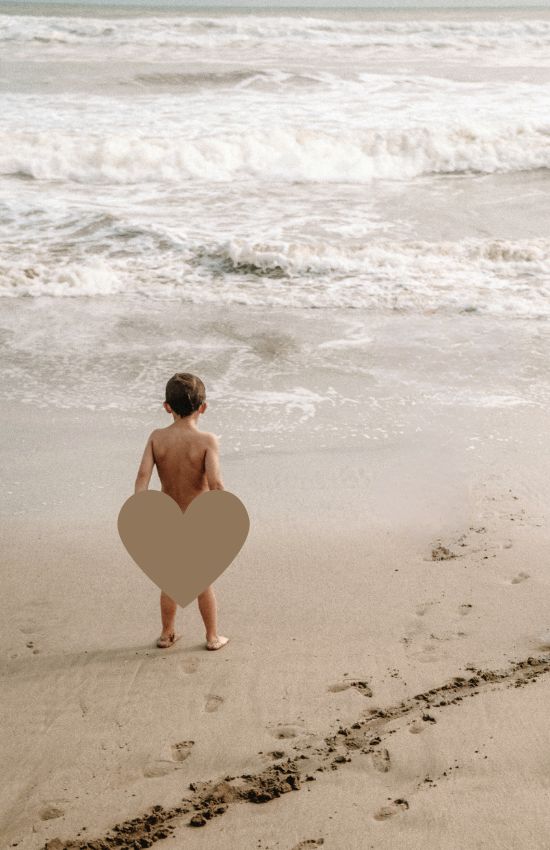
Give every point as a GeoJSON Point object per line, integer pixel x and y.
{"type": "Point", "coordinates": [141, 483]}
{"type": "Point", "coordinates": [216, 484]}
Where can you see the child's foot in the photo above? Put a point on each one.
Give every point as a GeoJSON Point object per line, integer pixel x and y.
{"type": "Point", "coordinates": [167, 639]}
{"type": "Point", "coordinates": [216, 642]}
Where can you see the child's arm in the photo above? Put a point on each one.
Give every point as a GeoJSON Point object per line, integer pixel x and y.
{"type": "Point", "coordinates": [212, 464]}
{"type": "Point", "coordinates": [145, 468]}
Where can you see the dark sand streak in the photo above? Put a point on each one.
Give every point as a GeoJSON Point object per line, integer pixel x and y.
{"type": "Point", "coordinates": [211, 799]}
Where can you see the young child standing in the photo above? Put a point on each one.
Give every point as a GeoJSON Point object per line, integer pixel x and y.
{"type": "Point", "coordinates": [187, 462]}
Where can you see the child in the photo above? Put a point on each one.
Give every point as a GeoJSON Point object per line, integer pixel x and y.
{"type": "Point", "coordinates": [187, 462]}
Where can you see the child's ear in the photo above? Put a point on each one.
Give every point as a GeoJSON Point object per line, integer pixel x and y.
{"type": "Point", "coordinates": [167, 407]}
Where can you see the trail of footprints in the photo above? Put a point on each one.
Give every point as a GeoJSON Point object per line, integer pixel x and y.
{"type": "Point", "coordinates": [313, 754]}
{"type": "Point", "coordinates": [473, 542]}
{"type": "Point", "coordinates": [213, 701]}
{"type": "Point", "coordinates": [502, 507]}
{"type": "Point", "coordinates": [270, 782]}
{"type": "Point", "coordinates": [180, 751]}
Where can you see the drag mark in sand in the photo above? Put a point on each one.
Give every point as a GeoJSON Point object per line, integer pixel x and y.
{"type": "Point", "coordinates": [368, 735]}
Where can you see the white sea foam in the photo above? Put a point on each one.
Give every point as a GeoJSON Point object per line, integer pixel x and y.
{"type": "Point", "coordinates": [300, 399]}
{"type": "Point", "coordinates": [493, 276]}
{"type": "Point", "coordinates": [62, 279]}
{"type": "Point", "coordinates": [481, 399]}
{"type": "Point", "coordinates": [527, 256]}
{"type": "Point", "coordinates": [285, 154]}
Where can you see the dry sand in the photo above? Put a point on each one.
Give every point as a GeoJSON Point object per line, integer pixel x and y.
{"type": "Point", "coordinates": [388, 677]}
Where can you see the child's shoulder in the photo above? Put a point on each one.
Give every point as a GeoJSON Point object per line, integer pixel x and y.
{"type": "Point", "coordinates": [209, 438]}
{"type": "Point", "coordinates": [159, 436]}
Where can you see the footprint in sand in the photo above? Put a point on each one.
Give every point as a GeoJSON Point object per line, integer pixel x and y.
{"type": "Point", "coordinates": [213, 702]}
{"type": "Point", "coordinates": [309, 843]}
{"type": "Point", "coordinates": [158, 768]}
{"type": "Point", "coordinates": [381, 760]}
{"type": "Point", "coordinates": [416, 727]}
{"type": "Point", "coordinates": [189, 665]}
{"type": "Point", "coordinates": [423, 608]}
{"type": "Point", "coordinates": [28, 630]}
{"type": "Point", "coordinates": [520, 577]}
{"type": "Point", "coordinates": [283, 732]}
{"type": "Point", "coordinates": [49, 812]}
{"type": "Point", "coordinates": [389, 811]}
{"type": "Point", "coordinates": [182, 750]}
{"type": "Point", "coordinates": [428, 654]}
{"type": "Point", "coordinates": [361, 686]}
{"type": "Point", "coordinates": [442, 553]}
{"type": "Point", "coordinates": [465, 609]}
{"type": "Point", "coordinates": [544, 641]}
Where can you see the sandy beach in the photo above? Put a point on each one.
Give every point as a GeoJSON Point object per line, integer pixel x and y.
{"type": "Point", "coordinates": [387, 618]}
{"type": "Point", "coordinates": [338, 219]}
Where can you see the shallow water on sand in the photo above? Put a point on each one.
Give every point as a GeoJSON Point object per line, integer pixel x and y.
{"type": "Point", "coordinates": [284, 379]}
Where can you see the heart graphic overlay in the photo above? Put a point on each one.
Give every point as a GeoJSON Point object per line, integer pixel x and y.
{"type": "Point", "coordinates": [183, 552]}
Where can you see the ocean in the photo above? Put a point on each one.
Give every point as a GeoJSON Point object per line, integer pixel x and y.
{"type": "Point", "coordinates": [271, 199]}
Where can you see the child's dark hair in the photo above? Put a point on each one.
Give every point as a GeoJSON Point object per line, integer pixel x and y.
{"type": "Point", "coordinates": [185, 393]}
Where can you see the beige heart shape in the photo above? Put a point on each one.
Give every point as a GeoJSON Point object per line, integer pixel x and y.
{"type": "Point", "coordinates": [183, 552]}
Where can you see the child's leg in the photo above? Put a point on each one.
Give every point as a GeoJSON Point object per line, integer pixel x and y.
{"type": "Point", "coordinates": [209, 614]}
{"type": "Point", "coordinates": [168, 610]}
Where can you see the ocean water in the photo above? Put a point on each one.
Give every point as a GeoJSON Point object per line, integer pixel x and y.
{"type": "Point", "coordinates": [360, 159]}
{"type": "Point", "coordinates": [360, 165]}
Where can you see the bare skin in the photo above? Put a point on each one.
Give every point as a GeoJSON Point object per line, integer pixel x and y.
{"type": "Point", "coordinates": [187, 462]}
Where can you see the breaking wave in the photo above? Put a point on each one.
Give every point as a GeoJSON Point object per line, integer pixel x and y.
{"type": "Point", "coordinates": [285, 154]}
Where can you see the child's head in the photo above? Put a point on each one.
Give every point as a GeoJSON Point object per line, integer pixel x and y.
{"type": "Point", "coordinates": [185, 394]}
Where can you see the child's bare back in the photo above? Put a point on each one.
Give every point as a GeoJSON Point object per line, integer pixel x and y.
{"type": "Point", "coordinates": [187, 461]}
